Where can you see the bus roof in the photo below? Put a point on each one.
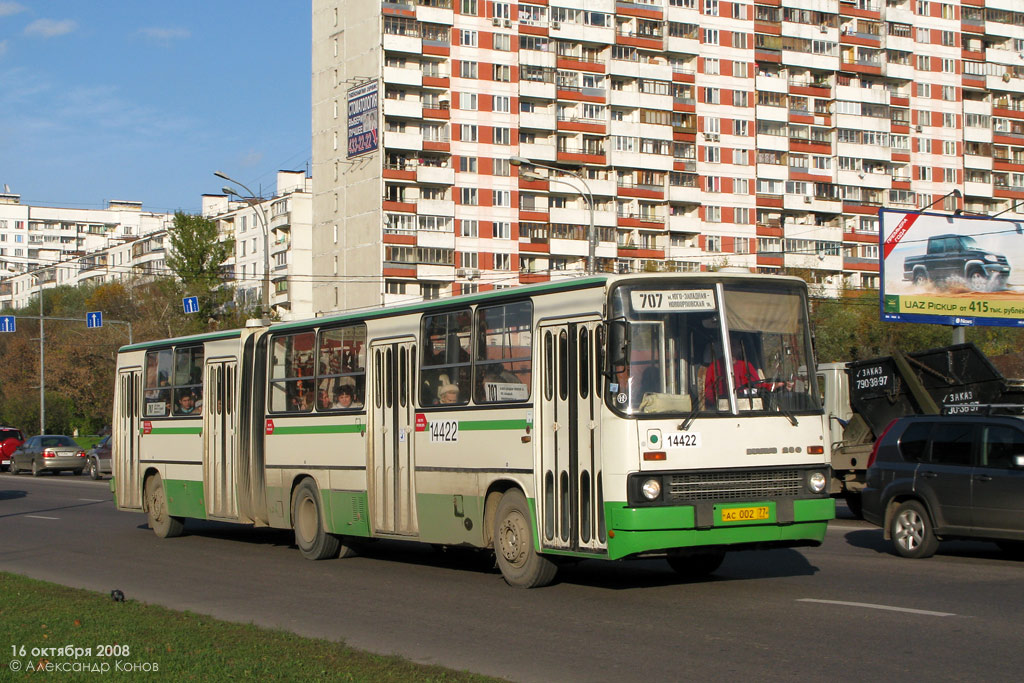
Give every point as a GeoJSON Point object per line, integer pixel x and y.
{"type": "Point", "coordinates": [372, 312]}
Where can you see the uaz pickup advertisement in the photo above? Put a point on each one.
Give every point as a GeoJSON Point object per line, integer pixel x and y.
{"type": "Point", "coordinates": [951, 270]}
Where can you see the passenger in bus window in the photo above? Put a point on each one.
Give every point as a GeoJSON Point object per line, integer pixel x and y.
{"type": "Point", "coordinates": [344, 397]}
{"type": "Point", "coordinates": [448, 394]}
{"type": "Point", "coordinates": [323, 399]}
{"type": "Point", "coordinates": [197, 400]}
{"type": "Point", "coordinates": [186, 403]}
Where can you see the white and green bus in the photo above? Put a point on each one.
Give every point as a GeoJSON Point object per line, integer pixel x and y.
{"type": "Point", "coordinates": [607, 417]}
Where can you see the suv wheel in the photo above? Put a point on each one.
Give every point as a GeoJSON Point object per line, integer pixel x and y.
{"type": "Point", "coordinates": [911, 531]}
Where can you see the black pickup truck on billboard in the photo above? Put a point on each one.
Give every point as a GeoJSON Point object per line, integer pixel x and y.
{"type": "Point", "coordinates": [957, 258]}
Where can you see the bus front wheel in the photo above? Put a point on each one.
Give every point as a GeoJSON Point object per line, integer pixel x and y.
{"type": "Point", "coordinates": [163, 524]}
{"type": "Point", "coordinates": [517, 557]}
{"type": "Point", "coordinates": [307, 520]}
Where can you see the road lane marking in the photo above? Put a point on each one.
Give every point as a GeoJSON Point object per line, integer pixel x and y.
{"type": "Point", "coordinates": [849, 527]}
{"type": "Point", "coordinates": [41, 517]}
{"type": "Point", "coordinates": [891, 608]}
{"type": "Point", "coordinates": [93, 500]}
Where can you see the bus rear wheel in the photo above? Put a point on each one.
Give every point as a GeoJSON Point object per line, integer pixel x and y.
{"type": "Point", "coordinates": [517, 557]}
{"type": "Point", "coordinates": [163, 524]}
{"type": "Point", "coordinates": [695, 564]}
{"type": "Point", "coordinates": [307, 520]}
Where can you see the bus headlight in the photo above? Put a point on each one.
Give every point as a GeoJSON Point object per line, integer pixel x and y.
{"type": "Point", "coordinates": [817, 482]}
{"type": "Point", "coordinates": [651, 489]}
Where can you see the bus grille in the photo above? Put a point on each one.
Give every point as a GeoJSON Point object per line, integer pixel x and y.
{"type": "Point", "coordinates": [736, 485]}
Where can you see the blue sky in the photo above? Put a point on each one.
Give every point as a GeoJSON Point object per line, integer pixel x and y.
{"type": "Point", "coordinates": [141, 100]}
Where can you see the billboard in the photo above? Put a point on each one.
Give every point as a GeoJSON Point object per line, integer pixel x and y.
{"type": "Point", "coordinates": [363, 135]}
{"type": "Point", "coordinates": [951, 270]}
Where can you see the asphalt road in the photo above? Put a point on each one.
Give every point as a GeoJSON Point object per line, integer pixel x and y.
{"type": "Point", "coordinates": [849, 610]}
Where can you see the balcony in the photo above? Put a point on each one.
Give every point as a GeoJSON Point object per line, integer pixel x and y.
{"type": "Point", "coordinates": [406, 109]}
{"type": "Point", "coordinates": [435, 175]}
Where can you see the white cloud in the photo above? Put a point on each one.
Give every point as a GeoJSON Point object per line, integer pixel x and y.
{"type": "Point", "coordinates": [252, 158]}
{"type": "Point", "coordinates": [3, 47]}
{"type": "Point", "coordinates": [9, 8]}
{"type": "Point", "coordinates": [50, 28]}
{"type": "Point", "coordinates": [165, 34]}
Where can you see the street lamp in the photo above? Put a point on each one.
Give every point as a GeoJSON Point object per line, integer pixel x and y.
{"type": "Point", "coordinates": [586, 194]}
{"type": "Point", "coordinates": [257, 207]}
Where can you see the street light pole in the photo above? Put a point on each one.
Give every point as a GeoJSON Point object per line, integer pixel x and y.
{"type": "Point", "coordinates": [586, 194]}
{"type": "Point", "coordinates": [42, 374]}
{"type": "Point", "coordinates": [257, 207]}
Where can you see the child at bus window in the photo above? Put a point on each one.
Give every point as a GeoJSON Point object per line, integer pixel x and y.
{"type": "Point", "coordinates": [323, 401]}
{"type": "Point", "coordinates": [448, 394]}
{"type": "Point", "coordinates": [186, 404]}
{"type": "Point", "coordinates": [344, 397]}
{"type": "Point", "coordinates": [197, 400]}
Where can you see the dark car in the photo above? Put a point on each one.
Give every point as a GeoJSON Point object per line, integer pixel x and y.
{"type": "Point", "coordinates": [10, 439]}
{"type": "Point", "coordinates": [48, 452]}
{"type": "Point", "coordinates": [99, 458]}
{"type": "Point", "coordinates": [937, 477]}
{"type": "Point", "coordinates": [961, 258]}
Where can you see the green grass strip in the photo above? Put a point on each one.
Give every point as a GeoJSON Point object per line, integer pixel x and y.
{"type": "Point", "coordinates": [179, 646]}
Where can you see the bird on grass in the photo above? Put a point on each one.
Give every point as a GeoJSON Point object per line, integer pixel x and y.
{"type": "Point", "coordinates": [116, 595]}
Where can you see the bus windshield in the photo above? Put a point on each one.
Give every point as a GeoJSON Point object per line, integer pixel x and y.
{"type": "Point", "coordinates": [711, 349]}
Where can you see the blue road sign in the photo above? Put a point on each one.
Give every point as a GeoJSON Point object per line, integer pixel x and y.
{"type": "Point", "coordinates": [190, 304]}
{"type": "Point", "coordinates": [94, 319]}
{"type": "Point", "coordinates": [7, 323]}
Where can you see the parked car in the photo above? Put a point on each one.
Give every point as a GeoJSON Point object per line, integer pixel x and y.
{"type": "Point", "coordinates": [99, 459]}
{"type": "Point", "coordinates": [10, 439]}
{"type": "Point", "coordinates": [48, 452]}
{"type": "Point", "coordinates": [936, 477]}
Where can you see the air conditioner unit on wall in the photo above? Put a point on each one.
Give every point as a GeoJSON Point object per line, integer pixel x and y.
{"type": "Point", "coordinates": [496, 21]}
{"type": "Point", "coordinates": [460, 272]}
{"type": "Point", "coordinates": [508, 23]}
{"type": "Point", "coordinates": [556, 24]}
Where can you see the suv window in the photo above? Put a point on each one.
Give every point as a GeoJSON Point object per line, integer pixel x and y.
{"type": "Point", "coordinates": [1000, 445]}
{"type": "Point", "coordinates": [914, 442]}
{"type": "Point", "coordinates": [951, 444]}
{"type": "Point", "coordinates": [9, 434]}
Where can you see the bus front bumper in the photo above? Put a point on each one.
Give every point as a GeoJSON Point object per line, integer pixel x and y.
{"type": "Point", "coordinates": [789, 523]}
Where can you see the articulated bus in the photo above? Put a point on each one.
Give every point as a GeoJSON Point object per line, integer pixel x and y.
{"type": "Point", "coordinates": [605, 417]}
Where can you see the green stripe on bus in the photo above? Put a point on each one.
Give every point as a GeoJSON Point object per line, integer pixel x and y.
{"type": "Point", "coordinates": [492, 425]}
{"type": "Point", "coordinates": [321, 429]}
{"type": "Point", "coordinates": [173, 430]}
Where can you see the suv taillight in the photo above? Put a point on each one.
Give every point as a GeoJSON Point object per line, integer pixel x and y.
{"type": "Point", "coordinates": [878, 442]}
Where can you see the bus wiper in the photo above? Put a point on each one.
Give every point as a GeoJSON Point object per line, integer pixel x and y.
{"type": "Point", "coordinates": [685, 424]}
{"type": "Point", "coordinates": [786, 412]}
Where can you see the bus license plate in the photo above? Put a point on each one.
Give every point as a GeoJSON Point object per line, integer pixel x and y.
{"type": "Point", "coordinates": [748, 514]}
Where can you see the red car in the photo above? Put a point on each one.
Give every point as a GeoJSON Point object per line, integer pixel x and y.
{"type": "Point", "coordinates": [10, 439]}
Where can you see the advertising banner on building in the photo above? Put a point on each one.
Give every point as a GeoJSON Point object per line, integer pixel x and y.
{"type": "Point", "coordinates": [363, 118]}
{"type": "Point", "coordinates": [951, 270]}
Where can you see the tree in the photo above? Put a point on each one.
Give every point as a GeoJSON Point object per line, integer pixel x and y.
{"type": "Point", "coordinates": [850, 328]}
{"type": "Point", "coordinates": [196, 256]}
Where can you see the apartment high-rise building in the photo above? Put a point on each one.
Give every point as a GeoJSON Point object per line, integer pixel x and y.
{"type": "Point", "coordinates": [708, 133]}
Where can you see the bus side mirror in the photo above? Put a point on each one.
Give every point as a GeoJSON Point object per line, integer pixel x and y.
{"type": "Point", "coordinates": [618, 342]}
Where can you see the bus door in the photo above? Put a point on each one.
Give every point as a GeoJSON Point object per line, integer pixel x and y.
{"type": "Point", "coordinates": [391, 419]}
{"type": "Point", "coordinates": [127, 434]}
{"type": "Point", "coordinates": [570, 497]}
{"type": "Point", "coordinates": [219, 439]}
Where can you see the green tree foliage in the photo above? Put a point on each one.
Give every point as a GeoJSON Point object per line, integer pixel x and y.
{"type": "Point", "coordinates": [196, 256]}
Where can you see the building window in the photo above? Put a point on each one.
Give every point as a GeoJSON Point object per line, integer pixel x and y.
{"type": "Point", "coordinates": [502, 73]}
{"type": "Point", "coordinates": [468, 38]}
{"type": "Point", "coordinates": [502, 262]}
{"type": "Point", "coordinates": [467, 69]}
{"type": "Point", "coordinates": [502, 42]}
{"type": "Point", "coordinates": [467, 164]}
{"type": "Point", "coordinates": [500, 197]}
{"type": "Point", "coordinates": [502, 230]}
{"type": "Point", "coordinates": [468, 196]}
{"type": "Point", "coordinates": [501, 103]}
{"type": "Point", "coordinates": [468, 228]}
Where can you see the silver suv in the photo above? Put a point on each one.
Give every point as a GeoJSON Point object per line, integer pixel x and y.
{"type": "Point", "coordinates": [938, 477]}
